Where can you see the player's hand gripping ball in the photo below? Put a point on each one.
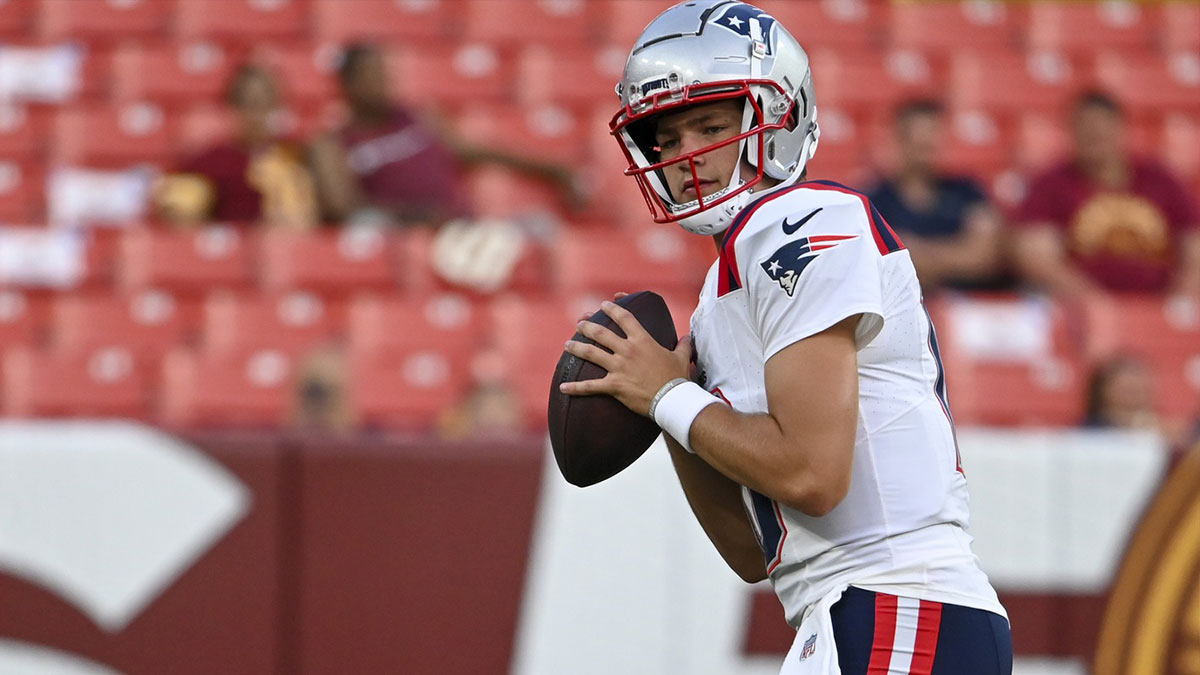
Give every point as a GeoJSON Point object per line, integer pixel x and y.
{"type": "Point", "coordinates": [596, 437]}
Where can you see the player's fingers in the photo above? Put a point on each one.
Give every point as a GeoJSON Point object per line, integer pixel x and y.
{"type": "Point", "coordinates": [684, 348]}
{"type": "Point", "coordinates": [618, 295]}
{"type": "Point", "coordinates": [623, 318]}
{"type": "Point", "coordinates": [586, 387]}
{"type": "Point", "coordinates": [590, 353]}
{"type": "Point", "coordinates": [600, 334]}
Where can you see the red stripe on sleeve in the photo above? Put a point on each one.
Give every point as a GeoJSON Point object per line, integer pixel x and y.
{"type": "Point", "coordinates": [929, 622]}
{"type": "Point", "coordinates": [885, 634]}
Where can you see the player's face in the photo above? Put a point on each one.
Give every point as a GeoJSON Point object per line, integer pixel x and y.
{"type": "Point", "coordinates": [695, 128]}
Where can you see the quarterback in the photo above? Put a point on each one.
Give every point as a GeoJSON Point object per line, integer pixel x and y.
{"type": "Point", "coordinates": [814, 442]}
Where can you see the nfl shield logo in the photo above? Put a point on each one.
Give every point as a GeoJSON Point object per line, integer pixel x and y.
{"type": "Point", "coordinates": [810, 647]}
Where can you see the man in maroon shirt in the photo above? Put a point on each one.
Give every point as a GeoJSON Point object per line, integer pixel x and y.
{"type": "Point", "coordinates": [387, 160]}
{"type": "Point", "coordinates": [1106, 221]}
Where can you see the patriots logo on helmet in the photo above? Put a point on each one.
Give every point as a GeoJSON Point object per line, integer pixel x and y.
{"type": "Point", "coordinates": [787, 264]}
{"type": "Point", "coordinates": [737, 19]}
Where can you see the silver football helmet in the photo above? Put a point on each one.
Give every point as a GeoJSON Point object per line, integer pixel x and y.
{"type": "Point", "coordinates": [712, 50]}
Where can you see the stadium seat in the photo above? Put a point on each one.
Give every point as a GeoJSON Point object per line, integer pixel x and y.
{"type": "Point", "coordinates": [306, 71]}
{"type": "Point", "coordinates": [22, 192]}
{"type": "Point", "coordinates": [1076, 27]}
{"type": "Point", "coordinates": [452, 74]}
{"type": "Point", "coordinates": [407, 388]}
{"type": "Point", "coordinates": [148, 322]}
{"type": "Point", "coordinates": [171, 73]}
{"type": "Point", "coordinates": [113, 136]}
{"type": "Point", "coordinates": [530, 275]}
{"type": "Point", "coordinates": [335, 261]}
{"type": "Point", "coordinates": [22, 318]}
{"type": "Point", "coordinates": [624, 20]}
{"type": "Point", "coordinates": [377, 323]}
{"type": "Point", "coordinates": [242, 20]}
{"type": "Point", "coordinates": [1166, 335]}
{"type": "Point", "coordinates": [573, 79]}
{"type": "Point", "coordinates": [951, 26]}
{"type": "Point", "coordinates": [871, 81]}
{"type": "Point", "coordinates": [1009, 81]}
{"type": "Point", "coordinates": [100, 382]}
{"type": "Point", "coordinates": [559, 23]}
{"type": "Point", "coordinates": [91, 20]}
{"type": "Point", "coordinates": [1041, 139]}
{"type": "Point", "coordinates": [977, 142]}
{"type": "Point", "coordinates": [23, 131]}
{"type": "Point", "coordinates": [836, 24]}
{"type": "Point", "coordinates": [1179, 140]}
{"type": "Point", "coordinates": [293, 322]}
{"type": "Point", "coordinates": [1150, 82]}
{"type": "Point", "coordinates": [1180, 22]}
{"type": "Point", "coordinates": [250, 388]}
{"type": "Point", "coordinates": [1049, 392]}
{"type": "Point", "coordinates": [16, 20]}
{"type": "Point", "coordinates": [661, 259]}
{"type": "Point", "coordinates": [383, 20]}
{"type": "Point", "coordinates": [185, 262]}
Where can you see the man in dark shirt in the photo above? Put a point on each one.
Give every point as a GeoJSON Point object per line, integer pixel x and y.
{"type": "Point", "coordinates": [947, 223]}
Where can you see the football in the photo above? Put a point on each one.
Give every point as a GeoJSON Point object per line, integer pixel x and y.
{"type": "Point", "coordinates": [596, 437]}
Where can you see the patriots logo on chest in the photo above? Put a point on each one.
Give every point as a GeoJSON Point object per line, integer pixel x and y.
{"type": "Point", "coordinates": [787, 264]}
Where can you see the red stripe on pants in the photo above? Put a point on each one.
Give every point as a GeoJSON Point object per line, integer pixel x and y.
{"type": "Point", "coordinates": [885, 634]}
{"type": "Point", "coordinates": [929, 621]}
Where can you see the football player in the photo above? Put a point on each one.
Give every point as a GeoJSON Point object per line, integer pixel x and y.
{"type": "Point", "coordinates": [816, 448]}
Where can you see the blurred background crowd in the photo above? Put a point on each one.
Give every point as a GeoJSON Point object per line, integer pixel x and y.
{"type": "Point", "coordinates": [355, 215]}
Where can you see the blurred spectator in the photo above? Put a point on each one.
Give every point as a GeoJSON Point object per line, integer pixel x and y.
{"type": "Point", "coordinates": [1120, 395]}
{"type": "Point", "coordinates": [946, 221]}
{"type": "Point", "coordinates": [490, 408]}
{"type": "Point", "coordinates": [1104, 220]}
{"type": "Point", "coordinates": [386, 162]}
{"type": "Point", "coordinates": [258, 176]}
{"type": "Point", "coordinates": [320, 397]}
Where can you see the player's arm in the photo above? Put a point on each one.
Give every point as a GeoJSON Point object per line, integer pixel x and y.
{"type": "Point", "coordinates": [799, 453]}
{"type": "Point", "coordinates": [717, 504]}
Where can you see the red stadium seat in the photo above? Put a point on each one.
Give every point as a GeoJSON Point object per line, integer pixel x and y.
{"type": "Point", "coordinates": [103, 19]}
{"type": "Point", "coordinates": [870, 80]}
{"type": "Point", "coordinates": [420, 275]}
{"type": "Point", "coordinates": [949, 26]}
{"type": "Point", "coordinates": [452, 74]}
{"type": "Point", "coordinates": [1042, 139]}
{"type": "Point", "coordinates": [407, 388]}
{"type": "Point", "coordinates": [1179, 140]}
{"type": "Point", "coordinates": [339, 262]}
{"type": "Point", "coordinates": [294, 322]}
{"type": "Point", "coordinates": [1180, 22]}
{"type": "Point", "coordinates": [661, 259]}
{"type": "Point", "coordinates": [1048, 393]}
{"type": "Point", "coordinates": [22, 318]}
{"type": "Point", "coordinates": [1080, 27]}
{"type": "Point", "coordinates": [977, 143]}
{"type": "Point", "coordinates": [1007, 81]}
{"type": "Point", "coordinates": [306, 72]}
{"type": "Point", "coordinates": [377, 323]}
{"type": "Point", "coordinates": [624, 20]}
{"type": "Point", "coordinates": [838, 24]}
{"type": "Point", "coordinates": [22, 192]}
{"type": "Point", "coordinates": [147, 322]}
{"type": "Point", "coordinates": [251, 388]}
{"type": "Point", "coordinates": [16, 19]}
{"type": "Point", "coordinates": [188, 262]}
{"type": "Point", "coordinates": [111, 136]}
{"type": "Point", "coordinates": [559, 23]}
{"type": "Point", "coordinates": [1150, 82]}
{"type": "Point", "coordinates": [383, 20]}
{"type": "Point", "coordinates": [241, 20]}
{"type": "Point", "coordinates": [1166, 335]}
{"type": "Point", "coordinates": [584, 79]}
{"type": "Point", "coordinates": [171, 73]}
{"type": "Point", "coordinates": [23, 131]}
{"type": "Point", "coordinates": [100, 382]}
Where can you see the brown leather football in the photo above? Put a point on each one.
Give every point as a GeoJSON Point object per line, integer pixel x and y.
{"type": "Point", "coordinates": [596, 437]}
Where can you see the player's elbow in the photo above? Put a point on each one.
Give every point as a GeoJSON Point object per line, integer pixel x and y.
{"type": "Point", "coordinates": [749, 566]}
{"type": "Point", "coordinates": [817, 496]}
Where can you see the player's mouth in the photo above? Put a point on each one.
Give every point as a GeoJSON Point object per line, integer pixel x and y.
{"type": "Point", "coordinates": [688, 193]}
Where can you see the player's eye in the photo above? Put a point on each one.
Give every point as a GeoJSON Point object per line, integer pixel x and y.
{"type": "Point", "coordinates": [715, 129]}
{"type": "Point", "coordinates": [667, 144]}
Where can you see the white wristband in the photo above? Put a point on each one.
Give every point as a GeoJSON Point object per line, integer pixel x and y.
{"type": "Point", "coordinates": [678, 408]}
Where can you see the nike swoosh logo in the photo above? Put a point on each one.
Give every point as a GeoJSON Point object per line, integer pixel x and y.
{"type": "Point", "coordinates": [790, 228]}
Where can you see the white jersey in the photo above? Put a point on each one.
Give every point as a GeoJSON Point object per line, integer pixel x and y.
{"type": "Point", "coordinates": [793, 264]}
